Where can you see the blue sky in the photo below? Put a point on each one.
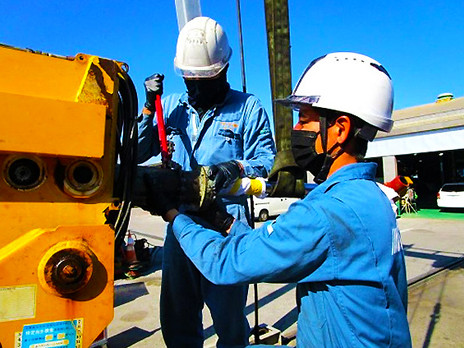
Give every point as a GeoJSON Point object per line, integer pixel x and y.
{"type": "Point", "coordinates": [419, 42]}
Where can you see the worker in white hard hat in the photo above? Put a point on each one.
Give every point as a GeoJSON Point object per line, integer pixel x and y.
{"type": "Point", "coordinates": [227, 130]}
{"type": "Point", "coordinates": [340, 243]}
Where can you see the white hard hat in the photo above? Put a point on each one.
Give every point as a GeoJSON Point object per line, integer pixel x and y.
{"type": "Point", "coordinates": [203, 50]}
{"type": "Point", "coordinates": [347, 82]}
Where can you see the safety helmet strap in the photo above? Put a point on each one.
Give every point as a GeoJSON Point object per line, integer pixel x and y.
{"type": "Point", "coordinates": [327, 153]}
{"type": "Point", "coordinates": [323, 129]}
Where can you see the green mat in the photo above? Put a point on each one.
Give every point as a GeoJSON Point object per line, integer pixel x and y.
{"type": "Point", "coordinates": [435, 214]}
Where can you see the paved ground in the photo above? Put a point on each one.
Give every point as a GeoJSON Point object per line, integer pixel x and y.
{"type": "Point", "coordinates": [431, 240]}
{"type": "Point", "coordinates": [436, 311]}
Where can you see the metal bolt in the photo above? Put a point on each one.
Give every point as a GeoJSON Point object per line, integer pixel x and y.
{"type": "Point", "coordinates": [70, 269]}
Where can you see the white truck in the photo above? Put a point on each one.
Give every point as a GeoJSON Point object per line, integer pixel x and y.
{"type": "Point", "coordinates": [271, 206]}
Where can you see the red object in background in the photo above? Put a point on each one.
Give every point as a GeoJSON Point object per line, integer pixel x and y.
{"type": "Point", "coordinates": [400, 184]}
{"type": "Point", "coordinates": [131, 256]}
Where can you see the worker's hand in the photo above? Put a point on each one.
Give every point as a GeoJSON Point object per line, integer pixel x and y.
{"type": "Point", "coordinates": [225, 174]}
{"type": "Point", "coordinates": [217, 217]}
{"type": "Point", "coordinates": [153, 87]}
{"type": "Point", "coordinates": [159, 203]}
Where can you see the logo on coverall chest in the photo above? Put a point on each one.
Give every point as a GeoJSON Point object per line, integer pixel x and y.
{"type": "Point", "coordinates": [228, 130]}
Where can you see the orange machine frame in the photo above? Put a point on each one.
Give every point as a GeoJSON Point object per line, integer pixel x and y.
{"type": "Point", "coordinates": [58, 120]}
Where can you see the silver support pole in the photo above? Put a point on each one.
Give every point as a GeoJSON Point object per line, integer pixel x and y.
{"type": "Point", "coordinates": [187, 10]}
{"type": "Point", "coordinates": [252, 208]}
{"type": "Point", "coordinates": [242, 59]}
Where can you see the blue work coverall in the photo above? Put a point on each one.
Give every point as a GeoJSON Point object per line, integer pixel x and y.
{"type": "Point", "coordinates": [340, 243]}
{"type": "Point", "coordinates": [237, 129]}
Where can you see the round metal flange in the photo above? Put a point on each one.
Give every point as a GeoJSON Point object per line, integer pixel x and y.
{"type": "Point", "coordinates": [66, 268]}
{"type": "Point", "coordinates": [24, 173]}
{"type": "Point", "coordinates": [83, 179]}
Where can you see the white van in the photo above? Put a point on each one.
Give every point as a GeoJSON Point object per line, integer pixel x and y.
{"type": "Point", "coordinates": [271, 206]}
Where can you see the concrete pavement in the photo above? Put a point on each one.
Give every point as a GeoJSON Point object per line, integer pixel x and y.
{"type": "Point", "coordinates": [429, 244]}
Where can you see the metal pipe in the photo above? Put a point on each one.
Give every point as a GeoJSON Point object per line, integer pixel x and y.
{"type": "Point", "coordinates": [252, 209]}
{"type": "Point", "coordinates": [288, 176]}
{"type": "Point", "coordinates": [242, 55]}
{"type": "Point", "coordinates": [278, 39]}
{"type": "Point", "coordinates": [186, 10]}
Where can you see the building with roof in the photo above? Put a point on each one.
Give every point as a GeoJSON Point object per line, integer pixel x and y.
{"type": "Point", "coordinates": [426, 143]}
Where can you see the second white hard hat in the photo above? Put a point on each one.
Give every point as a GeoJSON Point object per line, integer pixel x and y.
{"type": "Point", "coordinates": [203, 50]}
{"type": "Point", "coordinates": [347, 82]}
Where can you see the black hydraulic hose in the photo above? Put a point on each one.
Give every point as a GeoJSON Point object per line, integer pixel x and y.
{"type": "Point", "coordinates": [127, 152]}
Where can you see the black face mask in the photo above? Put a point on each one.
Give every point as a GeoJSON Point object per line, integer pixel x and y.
{"type": "Point", "coordinates": [304, 151]}
{"type": "Point", "coordinates": [203, 94]}
{"type": "Point", "coordinates": [306, 157]}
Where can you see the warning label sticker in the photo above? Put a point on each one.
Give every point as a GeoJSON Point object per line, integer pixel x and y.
{"type": "Point", "coordinates": [66, 333]}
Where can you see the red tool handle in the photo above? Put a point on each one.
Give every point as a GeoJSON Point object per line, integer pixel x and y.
{"type": "Point", "coordinates": [161, 131]}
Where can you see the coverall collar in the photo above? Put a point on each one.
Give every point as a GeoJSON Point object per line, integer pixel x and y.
{"type": "Point", "coordinates": [363, 170]}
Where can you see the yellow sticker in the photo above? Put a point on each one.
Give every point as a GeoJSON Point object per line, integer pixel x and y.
{"type": "Point", "coordinates": [17, 302]}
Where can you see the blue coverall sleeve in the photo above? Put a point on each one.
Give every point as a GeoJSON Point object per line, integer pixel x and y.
{"type": "Point", "coordinates": [258, 143]}
{"type": "Point", "coordinates": [287, 250]}
{"type": "Point", "coordinates": [148, 142]}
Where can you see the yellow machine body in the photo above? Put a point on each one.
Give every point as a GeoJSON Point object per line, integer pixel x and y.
{"type": "Point", "coordinates": [58, 121]}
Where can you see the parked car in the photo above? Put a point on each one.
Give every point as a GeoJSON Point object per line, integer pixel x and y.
{"type": "Point", "coordinates": [451, 196]}
{"type": "Point", "coordinates": [271, 206]}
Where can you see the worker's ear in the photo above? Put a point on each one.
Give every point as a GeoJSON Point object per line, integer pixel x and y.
{"type": "Point", "coordinates": [342, 128]}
